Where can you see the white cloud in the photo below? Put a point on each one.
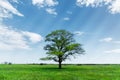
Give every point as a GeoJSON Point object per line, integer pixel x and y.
{"type": "Point", "coordinates": [15, 1]}
{"type": "Point", "coordinates": [115, 7]}
{"type": "Point", "coordinates": [33, 37]}
{"type": "Point", "coordinates": [108, 39]}
{"type": "Point", "coordinates": [66, 18]}
{"type": "Point", "coordinates": [112, 5]}
{"type": "Point", "coordinates": [11, 39]}
{"type": "Point", "coordinates": [51, 2]}
{"type": "Point", "coordinates": [47, 4]}
{"type": "Point", "coordinates": [51, 11]}
{"type": "Point", "coordinates": [113, 51]}
{"type": "Point", "coordinates": [6, 10]}
{"type": "Point", "coordinates": [79, 33]}
{"type": "Point", "coordinates": [39, 3]}
{"type": "Point", "coordinates": [93, 3]}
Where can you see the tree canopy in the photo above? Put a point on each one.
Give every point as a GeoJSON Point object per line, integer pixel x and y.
{"type": "Point", "coordinates": [60, 46]}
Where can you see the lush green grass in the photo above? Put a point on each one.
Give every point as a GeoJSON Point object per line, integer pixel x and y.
{"type": "Point", "coordinates": [50, 72]}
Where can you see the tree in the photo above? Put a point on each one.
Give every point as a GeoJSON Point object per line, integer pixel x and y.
{"type": "Point", "coordinates": [60, 46]}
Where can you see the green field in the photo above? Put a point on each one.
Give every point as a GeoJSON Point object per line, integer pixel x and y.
{"type": "Point", "coordinates": [50, 72]}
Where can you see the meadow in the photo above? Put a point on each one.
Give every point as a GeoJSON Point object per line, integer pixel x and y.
{"type": "Point", "coordinates": [51, 72]}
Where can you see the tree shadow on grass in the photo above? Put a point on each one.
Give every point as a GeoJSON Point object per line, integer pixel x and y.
{"type": "Point", "coordinates": [62, 69]}
{"type": "Point", "coordinates": [53, 68]}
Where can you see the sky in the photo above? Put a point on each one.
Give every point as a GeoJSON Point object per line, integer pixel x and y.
{"type": "Point", "coordinates": [94, 23]}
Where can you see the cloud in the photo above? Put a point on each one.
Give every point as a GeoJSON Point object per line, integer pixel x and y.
{"type": "Point", "coordinates": [11, 39]}
{"type": "Point", "coordinates": [7, 10]}
{"type": "Point", "coordinates": [51, 11]}
{"type": "Point", "coordinates": [113, 51]}
{"type": "Point", "coordinates": [33, 37]}
{"type": "Point", "coordinates": [79, 33]}
{"type": "Point", "coordinates": [115, 7]}
{"type": "Point", "coordinates": [15, 1]}
{"type": "Point", "coordinates": [108, 39]}
{"type": "Point", "coordinates": [66, 19]}
{"type": "Point", "coordinates": [112, 5]}
{"type": "Point", "coordinates": [47, 4]}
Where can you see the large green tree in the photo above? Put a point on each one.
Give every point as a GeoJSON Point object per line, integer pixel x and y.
{"type": "Point", "coordinates": [60, 46]}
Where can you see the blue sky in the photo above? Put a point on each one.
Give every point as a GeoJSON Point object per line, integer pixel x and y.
{"type": "Point", "coordinates": [25, 23]}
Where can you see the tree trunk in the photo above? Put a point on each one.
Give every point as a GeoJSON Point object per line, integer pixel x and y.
{"type": "Point", "coordinates": [60, 62]}
{"type": "Point", "coordinates": [60, 65]}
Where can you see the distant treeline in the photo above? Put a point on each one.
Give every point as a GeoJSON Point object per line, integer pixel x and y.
{"type": "Point", "coordinates": [69, 64]}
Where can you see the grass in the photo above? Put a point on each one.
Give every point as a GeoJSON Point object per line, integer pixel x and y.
{"type": "Point", "coordinates": [51, 72]}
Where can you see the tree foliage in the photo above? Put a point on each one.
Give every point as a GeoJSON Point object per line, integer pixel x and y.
{"type": "Point", "coordinates": [61, 45]}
